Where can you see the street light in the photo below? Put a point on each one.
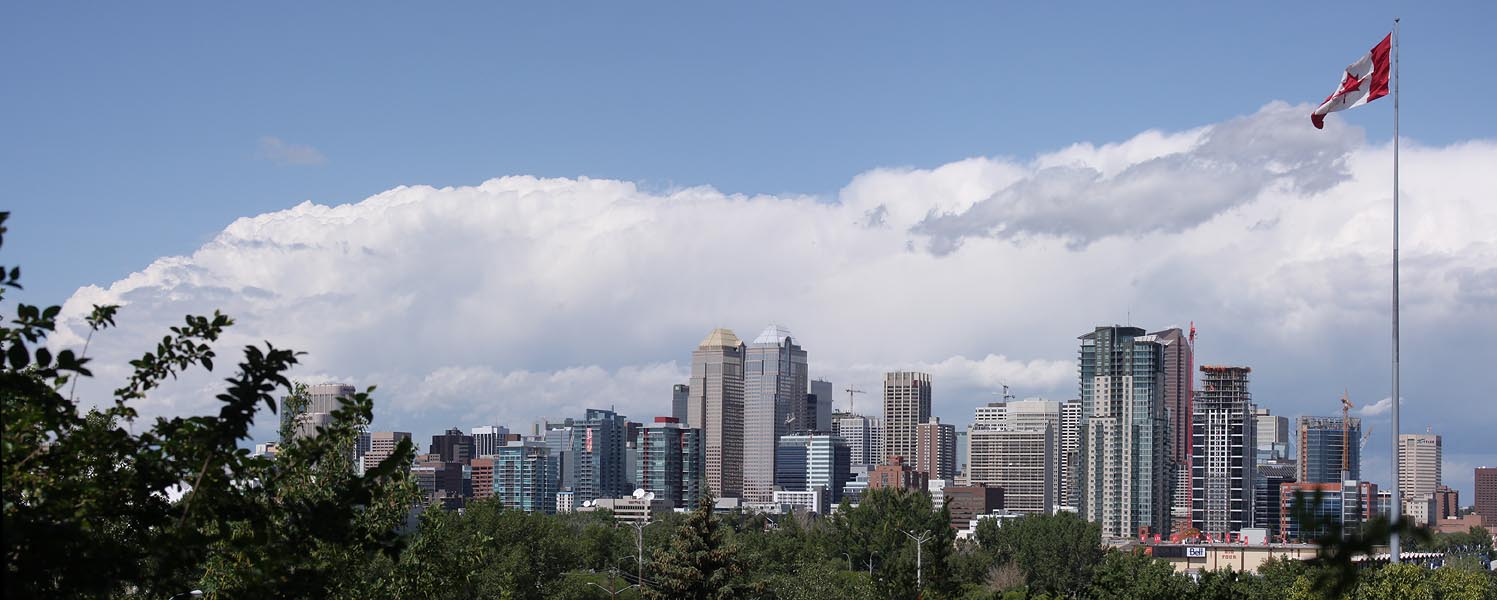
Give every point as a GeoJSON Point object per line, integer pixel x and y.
{"type": "Point", "coordinates": [639, 548]}
{"type": "Point", "coordinates": [919, 547]}
{"type": "Point", "coordinates": [870, 562]}
{"type": "Point", "coordinates": [612, 572]}
{"type": "Point", "coordinates": [849, 560]}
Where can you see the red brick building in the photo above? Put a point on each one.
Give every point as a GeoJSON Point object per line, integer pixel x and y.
{"type": "Point", "coordinates": [897, 475]}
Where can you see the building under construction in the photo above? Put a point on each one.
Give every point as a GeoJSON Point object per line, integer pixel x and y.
{"type": "Point", "coordinates": [1222, 443]}
{"type": "Point", "coordinates": [1328, 446]}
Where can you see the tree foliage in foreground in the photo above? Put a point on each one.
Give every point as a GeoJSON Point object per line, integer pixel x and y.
{"type": "Point", "coordinates": [92, 509]}
{"type": "Point", "coordinates": [1057, 553]}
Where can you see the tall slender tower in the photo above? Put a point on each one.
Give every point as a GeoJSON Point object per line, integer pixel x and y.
{"type": "Point", "coordinates": [774, 400]}
{"type": "Point", "coordinates": [1223, 440]}
{"type": "Point", "coordinates": [1125, 484]}
{"type": "Point", "coordinates": [906, 404]}
{"type": "Point", "coordinates": [1070, 461]}
{"type": "Point", "coordinates": [716, 407]}
{"type": "Point", "coordinates": [1176, 390]}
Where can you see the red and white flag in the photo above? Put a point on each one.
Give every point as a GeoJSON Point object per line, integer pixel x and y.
{"type": "Point", "coordinates": [1364, 81]}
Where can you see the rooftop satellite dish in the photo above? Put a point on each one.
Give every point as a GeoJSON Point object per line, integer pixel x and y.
{"type": "Point", "coordinates": [587, 503]}
{"type": "Point", "coordinates": [649, 497]}
{"type": "Point", "coordinates": [640, 493]}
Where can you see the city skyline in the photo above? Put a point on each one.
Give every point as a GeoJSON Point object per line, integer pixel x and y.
{"type": "Point", "coordinates": [494, 242]}
{"type": "Point", "coordinates": [1016, 445]}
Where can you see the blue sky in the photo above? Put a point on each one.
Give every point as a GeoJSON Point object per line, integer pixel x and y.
{"type": "Point", "coordinates": [132, 129]}
{"type": "Point", "coordinates": [132, 133]}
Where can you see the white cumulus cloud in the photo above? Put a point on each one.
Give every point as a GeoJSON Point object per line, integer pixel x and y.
{"type": "Point", "coordinates": [1381, 407]}
{"type": "Point", "coordinates": [523, 297]}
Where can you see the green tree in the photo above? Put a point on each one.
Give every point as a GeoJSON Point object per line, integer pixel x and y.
{"type": "Point", "coordinates": [1402, 581]}
{"type": "Point", "coordinates": [1057, 552]}
{"type": "Point", "coordinates": [699, 564]}
{"type": "Point", "coordinates": [879, 530]}
{"type": "Point", "coordinates": [1462, 584]}
{"type": "Point", "coordinates": [1279, 573]}
{"type": "Point", "coordinates": [310, 521]}
{"type": "Point", "coordinates": [822, 580]}
{"type": "Point", "coordinates": [1124, 575]}
{"type": "Point", "coordinates": [89, 508]}
{"type": "Point", "coordinates": [1229, 584]}
{"type": "Point", "coordinates": [1335, 569]}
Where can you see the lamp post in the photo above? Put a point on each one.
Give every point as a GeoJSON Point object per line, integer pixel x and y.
{"type": "Point", "coordinates": [919, 557]}
{"type": "Point", "coordinates": [639, 549]}
{"type": "Point", "coordinates": [870, 562]}
{"type": "Point", "coordinates": [612, 593]}
{"type": "Point", "coordinates": [849, 560]}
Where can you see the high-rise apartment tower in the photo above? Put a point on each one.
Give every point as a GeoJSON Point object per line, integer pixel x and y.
{"type": "Point", "coordinates": [1125, 486]}
{"type": "Point", "coordinates": [935, 449]}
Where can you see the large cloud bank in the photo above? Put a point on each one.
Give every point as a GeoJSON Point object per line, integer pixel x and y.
{"type": "Point", "coordinates": [522, 298]}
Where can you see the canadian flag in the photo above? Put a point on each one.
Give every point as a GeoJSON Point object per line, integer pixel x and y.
{"type": "Point", "coordinates": [1364, 81]}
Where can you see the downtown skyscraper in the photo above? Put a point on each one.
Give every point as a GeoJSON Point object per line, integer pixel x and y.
{"type": "Point", "coordinates": [906, 404]}
{"type": "Point", "coordinates": [1070, 457]}
{"type": "Point", "coordinates": [597, 450]}
{"type": "Point", "coordinates": [1125, 483]}
{"type": "Point", "coordinates": [670, 462]}
{"type": "Point", "coordinates": [819, 407]}
{"type": "Point", "coordinates": [1177, 392]}
{"type": "Point", "coordinates": [1033, 415]}
{"type": "Point", "coordinates": [935, 449]}
{"type": "Point", "coordinates": [715, 406]}
{"type": "Point", "coordinates": [810, 461]}
{"type": "Point", "coordinates": [1223, 450]}
{"type": "Point", "coordinates": [864, 436]}
{"type": "Point", "coordinates": [1419, 458]}
{"type": "Point", "coordinates": [775, 380]}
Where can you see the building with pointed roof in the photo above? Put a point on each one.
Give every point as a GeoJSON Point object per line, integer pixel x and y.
{"type": "Point", "coordinates": [774, 393]}
{"type": "Point", "coordinates": [715, 406]}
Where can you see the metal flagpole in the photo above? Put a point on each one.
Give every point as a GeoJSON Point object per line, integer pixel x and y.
{"type": "Point", "coordinates": [1397, 508]}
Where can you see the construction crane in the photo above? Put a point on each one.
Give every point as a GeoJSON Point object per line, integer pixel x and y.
{"type": "Point", "coordinates": [1345, 435]}
{"type": "Point", "coordinates": [1366, 435]}
{"type": "Point", "coordinates": [850, 391]}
